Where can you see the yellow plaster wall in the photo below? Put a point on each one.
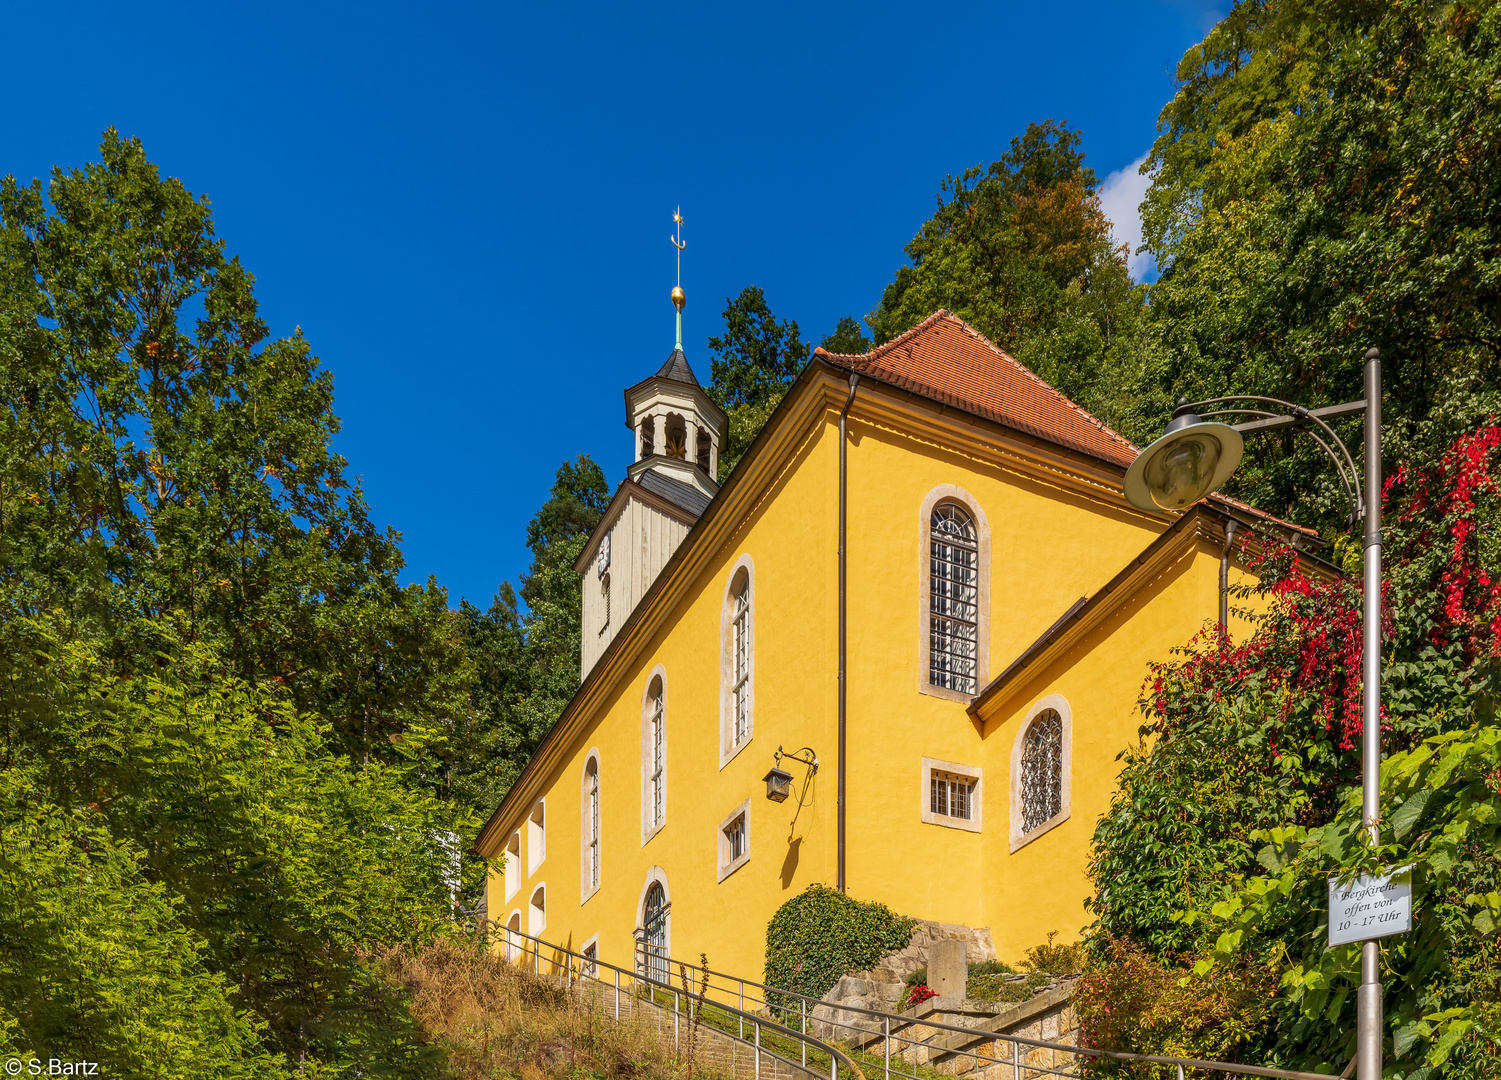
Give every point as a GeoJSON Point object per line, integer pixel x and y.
{"type": "Point", "coordinates": [790, 536]}
{"type": "Point", "coordinates": [1048, 547]}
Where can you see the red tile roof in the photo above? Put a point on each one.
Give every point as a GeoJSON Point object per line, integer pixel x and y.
{"type": "Point", "coordinates": [946, 359]}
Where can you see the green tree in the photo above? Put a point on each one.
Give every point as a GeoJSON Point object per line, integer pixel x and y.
{"type": "Point", "coordinates": [1322, 184]}
{"type": "Point", "coordinates": [1022, 251]}
{"type": "Point", "coordinates": [1214, 858]}
{"type": "Point", "coordinates": [754, 363]}
{"type": "Point", "coordinates": [527, 666]}
{"type": "Point", "coordinates": [848, 339]}
{"type": "Point", "coordinates": [218, 706]}
{"type": "Point", "coordinates": [161, 455]}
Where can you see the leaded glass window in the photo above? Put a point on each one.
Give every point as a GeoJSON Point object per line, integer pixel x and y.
{"type": "Point", "coordinates": [953, 604]}
{"type": "Point", "coordinates": [741, 688]}
{"type": "Point", "coordinates": [1042, 771]}
{"type": "Point", "coordinates": [594, 824]}
{"type": "Point", "coordinates": [658, 758]}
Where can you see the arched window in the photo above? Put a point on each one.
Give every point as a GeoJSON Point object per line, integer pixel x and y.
{"type": "Point", "coordinates": [654, 755]}
{"type": "Point", "coordinates": [676, 430]}
{"type": "Point", "coordinates": [737, 661]}
{"type": "Point", "coordinates": [1040, 771]}
{"type": "Point", "coordinates": [513, 865]}
{"type": "Point", "coordinates": [658, 759]}
{"type": "Point", "coordinates": [953, 600]}
{"type": "Point", "coordinates": [654, 937]}
{"type": "Point", "coordinates": [536, 836]}
{"type": "Point", "coordinates": [604, 603]}
{"type": "Point", "coordinates": [536, 914]}
{"type": "Point", "coordinates": [589, 855]}
{"type": "Point", "coordinates": [514, 945]}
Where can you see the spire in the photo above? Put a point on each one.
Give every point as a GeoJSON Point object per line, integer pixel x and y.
{"type": "Point", "coordinates": [678, 296]}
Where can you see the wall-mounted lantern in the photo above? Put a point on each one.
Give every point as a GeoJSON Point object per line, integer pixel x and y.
{"type": "Point", "coordinates": [778, 781]}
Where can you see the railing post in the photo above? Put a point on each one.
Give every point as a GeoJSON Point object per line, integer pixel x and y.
{"type": "Point", "coordinates": [742, 1007]}
{"type": "Point", "coordinates": [675, 1022]}
{"type": "Point", "coordinates": [1016, 1060]}
{"type": "Point", "coordinates": [802, 1004]}
{"type": "Point", "coordinates": [617, 993]}
{"type": "Point", "coordinates": [758, 1051]}
{"type": "Point", "coordinates": [886, 1029]}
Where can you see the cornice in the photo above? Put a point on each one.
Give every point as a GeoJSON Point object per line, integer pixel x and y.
{"type": "Point", "coordinates": [817, 392]}
{"type": "Point", "coordinates": [1202, 523]}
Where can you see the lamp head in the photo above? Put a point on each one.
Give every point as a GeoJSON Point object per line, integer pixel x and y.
{"type": "Point", "coordinates": [778, 785]}
{"type": "Point", "coordinates": [1191, 459]}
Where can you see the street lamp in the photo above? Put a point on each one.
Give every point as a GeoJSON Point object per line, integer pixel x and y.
{"type": "Point", "coordinates": [1196, 454]}
{"type": "Point", "coordinates": [779, 781]}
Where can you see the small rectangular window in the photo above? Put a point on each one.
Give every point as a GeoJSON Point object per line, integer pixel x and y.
{"type": "Point", "coordinates": [734, 840]}
{"type": "Point", "coordinates": [951, 797]}
{"type": "Point", "coordinates": [734, 834]}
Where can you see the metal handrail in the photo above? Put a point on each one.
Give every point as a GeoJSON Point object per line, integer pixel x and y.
{"type": "Point", "coordinates": [759, 1022]}
{"type": "Point", "coordinates": [981, 1033]}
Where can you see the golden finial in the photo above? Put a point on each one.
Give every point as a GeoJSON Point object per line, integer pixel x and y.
{"type": "Point", "coordinates": [679, 298]}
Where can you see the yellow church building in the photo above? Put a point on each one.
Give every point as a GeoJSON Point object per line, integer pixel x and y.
{"type": "Point", "coordinates": [897, 652]}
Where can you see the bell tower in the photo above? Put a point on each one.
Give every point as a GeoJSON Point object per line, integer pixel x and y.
{"type": "Point", "coordinates": [678, 430]}
{"type": "Point", "coordinates": [678, 433]}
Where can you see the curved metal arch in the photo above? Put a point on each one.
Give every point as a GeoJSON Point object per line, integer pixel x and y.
{"type": "Point", "coordinates": [1349, 481]}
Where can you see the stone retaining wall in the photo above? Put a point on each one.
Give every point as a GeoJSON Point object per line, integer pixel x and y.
{"type": "Point", "coordinates": [881, 988]}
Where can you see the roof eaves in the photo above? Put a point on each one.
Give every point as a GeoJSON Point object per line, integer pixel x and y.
{"type": "Point", "coordinates": [623, 636]}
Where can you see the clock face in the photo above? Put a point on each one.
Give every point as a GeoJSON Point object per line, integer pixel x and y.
{"type": "Point", "coordinates": [603, 562]}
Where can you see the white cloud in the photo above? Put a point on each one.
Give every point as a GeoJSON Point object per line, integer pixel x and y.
{"type": "Point", "coordinates": [1120, 198]}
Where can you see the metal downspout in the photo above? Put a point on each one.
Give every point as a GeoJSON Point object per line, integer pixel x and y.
{"type": "Point", "coordinates": [1230, 530]}
{"type": "Point", "coordinates": [843, 515]}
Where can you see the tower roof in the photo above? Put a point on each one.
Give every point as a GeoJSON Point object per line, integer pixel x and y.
{"type": "Point", "coordinates": [677, 369]}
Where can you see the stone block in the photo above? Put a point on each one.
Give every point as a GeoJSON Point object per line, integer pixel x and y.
{"type": "Point", "coordinates": [948, 969]}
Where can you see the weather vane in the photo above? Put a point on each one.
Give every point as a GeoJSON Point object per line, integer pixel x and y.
{"type": "Point", "coordinates": [679, 298]}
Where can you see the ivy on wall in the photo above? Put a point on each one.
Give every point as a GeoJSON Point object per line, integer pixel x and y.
{"type": "Point", "coordinates": [821, 934]}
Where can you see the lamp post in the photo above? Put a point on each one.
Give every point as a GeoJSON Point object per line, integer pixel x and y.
{"type": "Point", "coordinates": [1195, 455]}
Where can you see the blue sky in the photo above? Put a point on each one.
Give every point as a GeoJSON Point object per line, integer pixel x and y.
{"type": "Point", "coordinates": [466, 207]}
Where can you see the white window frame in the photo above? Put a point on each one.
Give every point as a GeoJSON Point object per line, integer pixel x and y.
{"type": "Point", "coordinates": [536, 915]}
{"type": "Point", "coordinates": [950, 493]}
{"type": "Point", "coordinates": [536, 835]}
{"type": "Point", "coordinates": [591, 834]}
{"type": "Point", "coordinates": [513, 865]}
{"type": "Point", "coordinates": [514, 945]}
{"type": "Point", "coordinates": [651, 823]}
{"type": "Point", "coordinates": [743, 569]}
{"type": "Point", "coordinates": [654, 876]}
{"type": "Point", "coordinates": [726, 864]}
{"type": "Point", "coordinates": [975, 822]}
{"type": "Point", "coordinates": [1058, 704]}
{"type": "Point", "coordinates": [589, 951]}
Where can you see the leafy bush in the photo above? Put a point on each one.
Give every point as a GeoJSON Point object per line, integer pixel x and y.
{"type": "Point", "coordinates": [1138, 1004]}
{"type": "Point", "coordinates": [1055, 959]}
{"type": "Point", "coordinates": [820, 935]}
{"type": "Point", "coordinates": [1213, 861]}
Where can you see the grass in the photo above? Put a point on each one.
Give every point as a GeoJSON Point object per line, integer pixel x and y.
{"type": "Point", "coordinates": [496, 1021]}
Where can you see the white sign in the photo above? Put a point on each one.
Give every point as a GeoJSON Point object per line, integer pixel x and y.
{"type": "Point", "coordinates": [1370, 907]}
